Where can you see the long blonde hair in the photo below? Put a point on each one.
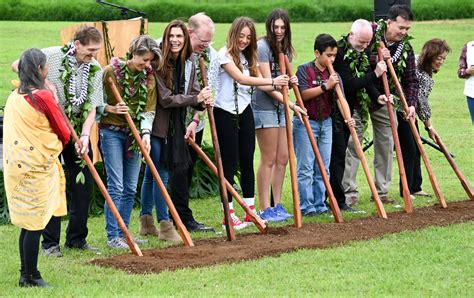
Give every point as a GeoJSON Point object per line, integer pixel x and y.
{"type": "Point", "coordinates": [250, 52]}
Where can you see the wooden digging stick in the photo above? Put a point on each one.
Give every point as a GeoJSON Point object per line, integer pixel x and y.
{"type": "Point", "coordinates": [291, 148]}
{"type": "Point", "coordinates": [179, 224]}
{"type": "Point", "coordinates": [256, 220]}
{"type": "Point", "coordinates": [332, 199]}
{"type": "Point", "coordinates": [415, 133]}
{"type": "Point", "coordinates": [103, 190]}
{"type": "Point", "coordinates": [346, 113]}
{"type": "Point", "coordinates": [465, 184]}
{"type": "Point", "coordinates": [401, 167]}
{"type": "Point", "coordinates": [217, 156]}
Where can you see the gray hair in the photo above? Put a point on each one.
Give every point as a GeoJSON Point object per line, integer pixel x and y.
{"type": "Point", "coordinates": [199, 20]}
{"type": "Point", "coordinates": [360, 25]}
{"type": "Point", "coordinates": [144, 44]}
{"type": "Point", "coordinates": [31, 61]}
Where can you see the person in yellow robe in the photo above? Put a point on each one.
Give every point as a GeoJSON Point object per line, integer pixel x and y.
{"type": "Point", "coordinates": [34, 135]}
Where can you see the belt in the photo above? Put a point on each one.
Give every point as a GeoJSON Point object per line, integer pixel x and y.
{"type": "Point", "coordinates": [114, 127]}
{"type": "Point", "coordinates": [319, 119]}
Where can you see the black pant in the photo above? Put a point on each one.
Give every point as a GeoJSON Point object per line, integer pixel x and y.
{"type": "Point", "coordinates": [76, 232]}
{"type": "Point", "coordinates": [179, 183]}
{"type": "Point", "coordinates": [236, 136]}
{"type": "Point", "coordinates": [340, 139]}
{"type": "Point", "coordinates": [411, 155]}
{"type": "Point", "coordinates": [29, 248]}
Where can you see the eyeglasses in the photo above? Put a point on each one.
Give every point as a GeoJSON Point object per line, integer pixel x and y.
{"type": "Point", "coordinates": [204, 42]}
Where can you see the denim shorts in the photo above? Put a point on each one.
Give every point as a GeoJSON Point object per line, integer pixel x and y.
{"type": "Point", "coordinates": [269, 118]}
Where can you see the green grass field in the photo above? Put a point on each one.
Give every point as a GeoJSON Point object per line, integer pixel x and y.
{"type": "Point", "coordinates": [431, 262]}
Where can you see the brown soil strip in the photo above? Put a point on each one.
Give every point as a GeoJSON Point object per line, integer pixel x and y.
{"type": "Point", "coordinates": [286, 239]}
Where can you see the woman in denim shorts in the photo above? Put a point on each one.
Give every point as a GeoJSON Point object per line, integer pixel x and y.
{"type": "Point", "coordinates": [269, 115]}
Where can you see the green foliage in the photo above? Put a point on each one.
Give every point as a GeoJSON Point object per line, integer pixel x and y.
{"type": "Point", "coordinates": [204, 183]}
{"type": "Point", "coordinates": [224, 11]}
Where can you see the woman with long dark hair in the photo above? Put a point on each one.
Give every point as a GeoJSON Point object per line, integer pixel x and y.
{"type": "Point", "coordinates": [35, 133]}
{"type": "Point", "coordinates": [177, 87]}
{"type": "Point", "coordinates": [235, 125]}
{"type": "Point", "coordinates": [269, 115]}
{"type": "Point", "coordinates": [432, 57]}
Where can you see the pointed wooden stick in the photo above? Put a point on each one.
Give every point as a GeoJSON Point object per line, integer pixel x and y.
{"type": "Point", "coordinates": [179, 224]}
{"type": "Point", "coordinates": [415, 133]}
{"type": "Point", "coordinates": [346, 113]}
{"type": "Point", "coordinates": [291, 149]}
{"type": "Point", "coordinates": [465, 184]}
{"type": "Point", "coordinates": [336, 211]}
{"type": "Point", "coordinates": [256, 220]}
{"type": "Point", "coordinates": [217, 155]}
{"type": "Point", "coordinates": [396, 141]}
{"type": "Point", "coordinates": [103, 190]}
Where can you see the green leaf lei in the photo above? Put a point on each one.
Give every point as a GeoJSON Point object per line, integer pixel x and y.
{"type": "Point", "coordinates": [358, 64]}
{"type": "Point", "coordinates": [399, 59]}
{"type": "Point", "coordinates": [128, 83]}
{"type": "Point", "coordinates": [76, 119]}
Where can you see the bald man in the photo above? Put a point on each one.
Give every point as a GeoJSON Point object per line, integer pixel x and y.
{"type": "Point", "coordinates": [358, 81]}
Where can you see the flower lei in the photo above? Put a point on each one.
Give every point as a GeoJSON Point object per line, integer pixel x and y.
{"type": "Point", "coordinates": [358, 64]}
{"type": "Point", "coordinates": [69, 81]}
{"type": "Point", "coordinates": [87, 88]}
{"type": "Point", "coordinates": [399, 59]}
{"type": "Point", "coordinates": [132, 86]}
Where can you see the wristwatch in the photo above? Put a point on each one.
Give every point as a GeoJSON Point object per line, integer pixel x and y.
{"type": "Point", "coordinates": [323, 87]}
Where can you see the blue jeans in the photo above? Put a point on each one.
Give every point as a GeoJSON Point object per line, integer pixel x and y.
{"type": "Point", "coordinates": [150, 192]}
{"type": "Point", "coordinates": [122, 169]}
{"type": "Point", "coordinates": [310, 182]}
{"type": "Point", "coordinates": [470, 105]}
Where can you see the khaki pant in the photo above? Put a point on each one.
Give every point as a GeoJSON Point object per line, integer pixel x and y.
{"type": "Point", "coordinates": [383, 154]}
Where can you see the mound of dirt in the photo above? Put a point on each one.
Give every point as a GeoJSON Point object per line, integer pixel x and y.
{"type": "Point", "coordinates": [286, 239]}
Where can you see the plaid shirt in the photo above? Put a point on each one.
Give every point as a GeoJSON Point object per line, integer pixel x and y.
{"type": "Point", "coordinates": [54, 60]}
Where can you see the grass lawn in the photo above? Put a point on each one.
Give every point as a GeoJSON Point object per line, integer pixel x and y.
{"type": "Point", "coordinates": [435, 261]}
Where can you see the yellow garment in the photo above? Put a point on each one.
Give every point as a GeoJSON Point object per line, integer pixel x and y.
{"type": "Point", "coordinates": [34, 179]}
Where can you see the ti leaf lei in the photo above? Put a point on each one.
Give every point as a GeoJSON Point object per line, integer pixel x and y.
{"type": "Point", "coordinates": [134, 87]}
{"type": "Point", "coordinates": [358, 64]}
{"type": "Point", "coordinates": [399, 59]}
{"type": "Point", "coordinates": [207, 60]}
{"type": "Point", "coordinates": [77, 120]}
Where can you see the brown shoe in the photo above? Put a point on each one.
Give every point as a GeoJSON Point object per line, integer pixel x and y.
{"type": "Point", "coordinates": [387, 200]}
{"type": "Point", "coordinates": [168, 232]}
{"type": "Point", "coordinates": [352, 200]}
{"type": "Point", "coordinates": [147, 226]}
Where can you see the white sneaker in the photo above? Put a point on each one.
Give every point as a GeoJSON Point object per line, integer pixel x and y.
{"type": "Point", "coordinates": [235, 222]}
{"type": "Point", "coordinates": [117, 243]}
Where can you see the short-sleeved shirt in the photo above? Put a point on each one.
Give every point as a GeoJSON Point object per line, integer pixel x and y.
{"type": "Point", "coordinates": [226, 93]}
{"type": "Point", "coordinates": [212, 72]}
{"type": "Point", "coordinates": [54, 59]}
{"type": "Point", "coordinates": [261, 100]}
{"type": "Point", "coordinates": [309, 76]}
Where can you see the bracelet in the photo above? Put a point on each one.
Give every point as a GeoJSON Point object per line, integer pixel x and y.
{"type": "Point", "coordinates": [196, 121]}
{"type": "Point", "coordinates": [145, 133]}
{"type": "Point", "coordinates": [273, 83]}
{"type": "Point", "coordinates": [429, 128]}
